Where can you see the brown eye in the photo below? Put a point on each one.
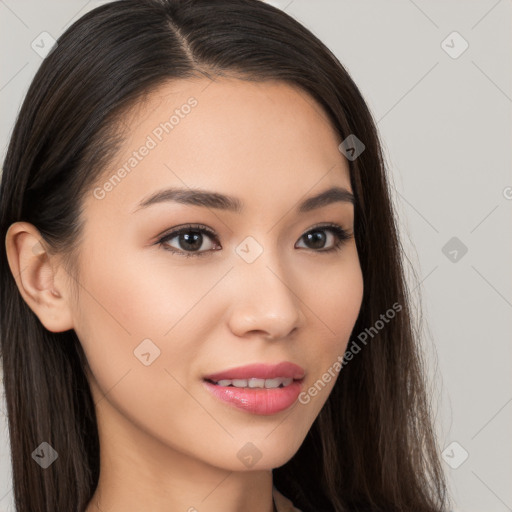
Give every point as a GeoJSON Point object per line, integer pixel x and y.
{"type": "Point", "coordinates": [189, 241]}
{"type": "Point", "coordinates": [316, 238]}
{"type": "Point", "coordinates": [198, 240]}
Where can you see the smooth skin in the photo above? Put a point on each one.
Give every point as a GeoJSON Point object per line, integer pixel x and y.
{"type": "Point", "coordinates": [166, 442]}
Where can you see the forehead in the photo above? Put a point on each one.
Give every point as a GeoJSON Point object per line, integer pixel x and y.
{"type": "Point", "coordinates": [254, 140]}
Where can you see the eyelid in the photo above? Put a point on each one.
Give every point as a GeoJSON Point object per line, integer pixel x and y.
{"type": "Point", "coordinates": [341, 233]}
{"type": "Point", "coordinates": [186, 227]}
{"type": "Point", "coordinates": [191, 226]}
{"type": "Point", "coordinates": [326, 225]}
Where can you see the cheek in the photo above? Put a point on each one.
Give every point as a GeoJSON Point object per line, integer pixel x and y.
{"type": "Point", "coordinates": [334, 311]}
{"type": "Point", "coordinates": [132, 305]}
{"type": "Point", "coordinates": [338, 300]}
{"type": "Point", "coordinates": [137, 326]}
{"type": "Point", "coordinates": [139, 296]}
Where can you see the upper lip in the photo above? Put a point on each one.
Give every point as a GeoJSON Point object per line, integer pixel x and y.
{"type": "Point", "coordinates": [260, 371]}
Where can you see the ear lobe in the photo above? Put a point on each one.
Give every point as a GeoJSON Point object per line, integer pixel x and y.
{"type": "Point", "coordinates": [37, 276]}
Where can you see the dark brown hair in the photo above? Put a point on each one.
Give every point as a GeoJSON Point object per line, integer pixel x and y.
{"type": "Point", "coordinates": [373, 445]}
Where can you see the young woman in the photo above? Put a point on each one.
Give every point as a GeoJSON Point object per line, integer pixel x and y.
{"type": "Point", "coordinates": [203, 305]}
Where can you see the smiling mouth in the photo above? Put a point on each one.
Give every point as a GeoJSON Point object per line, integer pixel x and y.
{"type": "Point", "coordinates": [254, 383]}
{"type": "Point", "coordinates": [256, 395]}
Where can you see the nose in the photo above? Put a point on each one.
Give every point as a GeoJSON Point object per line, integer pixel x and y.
{"type": "Point", "coordinates": [263, 299]}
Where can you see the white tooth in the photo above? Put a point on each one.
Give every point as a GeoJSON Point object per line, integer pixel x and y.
{"type": "Point", "coordinates": [256, 383]}
{"type": "Point", "coordinates": [273, 383]}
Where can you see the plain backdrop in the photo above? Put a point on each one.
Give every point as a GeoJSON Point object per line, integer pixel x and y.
{"type": "Point", "coordinates": [438, 80]}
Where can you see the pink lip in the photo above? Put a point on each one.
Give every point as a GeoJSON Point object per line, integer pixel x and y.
{"type": "Point", "coordinates": [260, 371]}
{"type": "Point", "coordinates": [258, 400]}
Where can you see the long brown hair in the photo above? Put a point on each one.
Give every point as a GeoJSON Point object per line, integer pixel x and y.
{"type": "Point", "coordinates": [373, 445]}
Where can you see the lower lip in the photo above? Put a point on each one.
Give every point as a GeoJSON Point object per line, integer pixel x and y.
{"type": "Point", "coordinates": [257, 400]}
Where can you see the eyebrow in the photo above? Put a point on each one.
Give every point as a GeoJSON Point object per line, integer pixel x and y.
{"type": "Point", "coordinates": [209, 199]}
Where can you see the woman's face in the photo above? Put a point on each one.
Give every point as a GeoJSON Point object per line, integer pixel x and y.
{"type": "Point", "coordinates": [263, 283]}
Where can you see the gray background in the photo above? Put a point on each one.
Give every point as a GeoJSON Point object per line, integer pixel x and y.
{"type": "Point", "coordinates": [445, 124]}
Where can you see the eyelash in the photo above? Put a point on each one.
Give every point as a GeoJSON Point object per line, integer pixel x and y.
{"type": "Point", "coordinates": [341, 234]}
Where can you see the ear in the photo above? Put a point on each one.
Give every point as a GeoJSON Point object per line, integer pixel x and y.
{"type": "Point", "coordinates": [40, 281]}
